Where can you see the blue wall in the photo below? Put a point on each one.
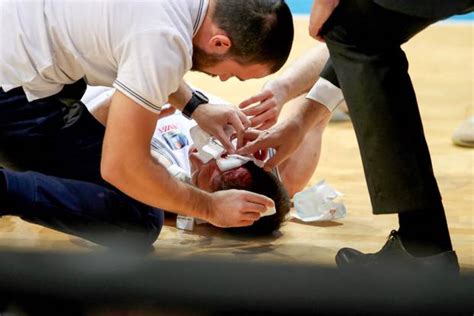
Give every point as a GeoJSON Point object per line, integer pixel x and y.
{"type": "Point", "coordinates": [300, 6]}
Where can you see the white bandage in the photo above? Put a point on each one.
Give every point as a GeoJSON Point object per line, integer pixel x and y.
{"type": "Point", "coordinates": [268, 212]}
{"type": "Point", "coordinates": [209, 148]}
{"type": "Point", "coordinates": [230, 162]}
{"type": "Point", "coordinates": [326, 93]}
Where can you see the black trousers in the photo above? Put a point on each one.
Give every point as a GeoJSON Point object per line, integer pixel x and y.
{"type": "Point", "coordinates": [59, 145]}
{"type": "Point", "coordinates": [369, 66]}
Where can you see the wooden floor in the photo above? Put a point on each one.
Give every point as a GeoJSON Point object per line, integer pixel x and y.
{"type": "Point", "coordinates": [442, 71]}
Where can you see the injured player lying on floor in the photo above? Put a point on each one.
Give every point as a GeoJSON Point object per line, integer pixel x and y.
{"type": "Point", "coordinates": [175, 146]}
{"type": "Point", "coordinates": [192, 156]}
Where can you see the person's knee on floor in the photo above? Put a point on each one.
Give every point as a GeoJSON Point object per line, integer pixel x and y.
{"type": "Point", "coordinates": [3, 192]}
{"type": "Point", "coordinates": [101, 215]}
{"type": "Point", "coordinates": [140, 240]}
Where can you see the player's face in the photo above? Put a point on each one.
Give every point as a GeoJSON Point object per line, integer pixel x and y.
{"type": "Point", "coordinates": [205, 176]}
{"type": "Point", "coordinates": [229, 68]}
{"type": "Point", "coordinates": [225, 67]}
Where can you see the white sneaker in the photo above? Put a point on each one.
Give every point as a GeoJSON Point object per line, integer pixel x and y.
{"type": "Point", "coordinates": [464, 135]}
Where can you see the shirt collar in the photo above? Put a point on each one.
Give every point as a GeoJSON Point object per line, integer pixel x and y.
{"type": "Point", "coordinates": [199, 13]}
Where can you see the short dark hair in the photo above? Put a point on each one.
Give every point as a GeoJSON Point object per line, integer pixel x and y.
{"type": "Point", "coordinates": [267, 184]}
{"type": "Point", "coordinates": [261, 31]}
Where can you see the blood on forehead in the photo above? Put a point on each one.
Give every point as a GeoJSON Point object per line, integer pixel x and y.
{"type": "Point", "coordinates": [239, 178]}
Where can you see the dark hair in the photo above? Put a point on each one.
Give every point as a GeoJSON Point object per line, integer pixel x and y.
{"type": "Point", "coordinates": [267, 184]}
{"type": "Point", "coordinates": [261, 31]}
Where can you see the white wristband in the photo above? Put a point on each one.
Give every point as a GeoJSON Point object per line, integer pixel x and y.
{"type": "Point", "coordinates": [326, 93]}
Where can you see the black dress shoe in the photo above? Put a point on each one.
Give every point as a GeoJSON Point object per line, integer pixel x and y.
{"type": "Point", "coordinates": [393, 255]}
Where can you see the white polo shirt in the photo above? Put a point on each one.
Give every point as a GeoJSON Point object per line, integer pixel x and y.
{"type": "Point", "coordinates": [141, 47]}
{"type": "Point", "coordinates": [172, 139]}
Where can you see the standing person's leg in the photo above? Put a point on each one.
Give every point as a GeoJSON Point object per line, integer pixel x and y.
{"type": "Point", "coordinates": [87, 210]}
{"type": "Point", "coordinates": [364, 42]}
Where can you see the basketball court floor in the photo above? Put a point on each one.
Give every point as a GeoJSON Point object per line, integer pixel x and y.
{"type": "Point", "coordinates": [441, 67]}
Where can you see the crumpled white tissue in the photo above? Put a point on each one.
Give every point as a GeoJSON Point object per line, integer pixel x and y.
{"type": "Point", "coordinates": [318, 203]}
{"type": "Point", "coordinates": [209, 148]}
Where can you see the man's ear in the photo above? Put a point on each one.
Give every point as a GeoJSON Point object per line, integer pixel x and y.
{"type": "Point", "coordinates": [220, 44]}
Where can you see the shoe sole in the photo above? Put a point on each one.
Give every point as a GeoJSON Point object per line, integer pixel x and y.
{"type": "Point", "coordinates": [461, 143]}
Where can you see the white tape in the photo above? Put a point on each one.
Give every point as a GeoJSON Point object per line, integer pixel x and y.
{"type": "Point", "coordinates": [185, 222]}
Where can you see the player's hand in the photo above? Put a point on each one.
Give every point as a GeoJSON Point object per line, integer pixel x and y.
{"type": "Point", "coordinates": [265, 107]}
{"type": "Point", "coordinates": [216, 119]}
{"type": "Point", "coordinates": [284, 137]}
{"type": "Point", "coordinates": [320, 13]}
{"type": "Point", "coordinates": [236, 208]}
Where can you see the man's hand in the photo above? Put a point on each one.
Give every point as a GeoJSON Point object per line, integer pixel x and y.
{"type": "Point", "coordinates": [235, 208]}
{"type": "Point", "coordinates": [270, 102]}
{"type": "Point", "coordinates": [284, 138]}
{"type": "Point", "coordinates": [215, 119]}
{"type": "Point", "coordinates": [320, 13]}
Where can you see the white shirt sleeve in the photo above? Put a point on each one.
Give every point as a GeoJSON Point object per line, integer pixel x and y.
{"type": "Point", "coordinates": [326, 93]}
{"type": "Point", "coordinates": [151, 65]}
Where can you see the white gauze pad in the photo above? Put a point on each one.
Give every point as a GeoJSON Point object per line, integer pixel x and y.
{"type": "Point", "coordinates": [234, 161]}
{"type": "Point", "coordinates": [207, 147]}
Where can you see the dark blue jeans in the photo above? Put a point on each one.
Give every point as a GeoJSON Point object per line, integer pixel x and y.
{"type": "Point", "coordinates": [58, 143]}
